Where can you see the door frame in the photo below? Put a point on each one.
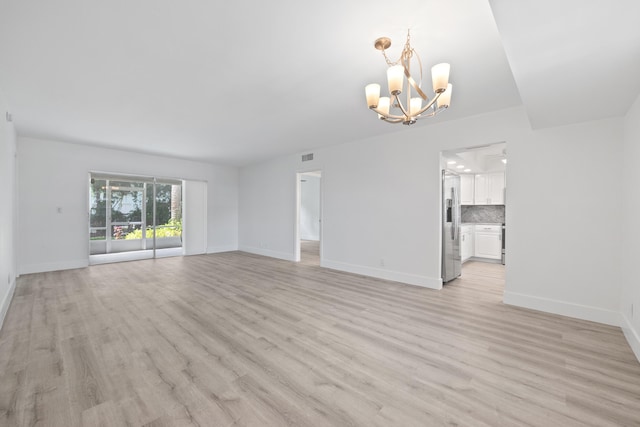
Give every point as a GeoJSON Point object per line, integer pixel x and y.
{"type": "Point", "coordinates": [136, 254]}
{"type": "Point", "coordinates": [298, 191]}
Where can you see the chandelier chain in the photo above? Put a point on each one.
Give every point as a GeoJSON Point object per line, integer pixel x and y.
{"type": "Point", "coordinates": [406, 55]}
{"type": "Point", "coordinates": [407, 44]}
{"type": "Point", "coordinates": [389, 62]}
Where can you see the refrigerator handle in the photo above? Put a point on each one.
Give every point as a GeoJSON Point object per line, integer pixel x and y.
{"type": "Point", "coordinates": [454, 219]}
{"type": "Point", "coordinates": [458, 219]}
{"type": "Point", "coordinates": [457, 207]}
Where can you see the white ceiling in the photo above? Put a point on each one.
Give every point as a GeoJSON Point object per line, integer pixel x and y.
{"type": "Point", "coordinates": [573, 60]}
{"type": "Point", "coordinates": [239, 82]}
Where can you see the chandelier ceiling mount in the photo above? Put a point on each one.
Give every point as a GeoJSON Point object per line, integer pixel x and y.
{"type": "Point", "coordinates": [382, 43]}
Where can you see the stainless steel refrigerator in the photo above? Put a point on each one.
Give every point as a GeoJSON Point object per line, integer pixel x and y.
{"type": "Point", "coordinates": [451, 258]}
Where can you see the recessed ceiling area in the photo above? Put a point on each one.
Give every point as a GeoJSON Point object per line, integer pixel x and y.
{"type": "Point", "coordinates": [237, 83]}
{"type": "Point", "coordinates": [573, 60]}
{"type": "Point", "coordinates": [480, 159]}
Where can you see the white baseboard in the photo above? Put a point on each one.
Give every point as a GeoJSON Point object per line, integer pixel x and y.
{"type": "Point", "coordinates": [381, 273]}
{"type": "Point", "coordinates": [6, 302]}
{"type": "Point", "coordinates": [52, 266]}
{"type": "Point", "coordinates": [632, 336]}
{"type": "Point", "coordinates": [267, 252]}
{"type": "Point", "coordinates": [578, 311]}
{"type": "Point", "coordinates": [219, 249]}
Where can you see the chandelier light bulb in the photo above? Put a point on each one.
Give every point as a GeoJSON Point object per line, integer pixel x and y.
{"type": "Point", "coordinates": [395, 77]}
{"type": "Point", "coordinates": [445, 97]}
{"type": "Point", "coordinates": [440, 76]}
{"type": "Point", "coordinates": [416, 105]}
{"type": "Point", "coordinates": [383, 106]}
{"type": "Point", "coordinates": [373, 94]}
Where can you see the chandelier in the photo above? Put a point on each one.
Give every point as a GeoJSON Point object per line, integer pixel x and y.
{"type": "Point", "coordinates": [413, 110]}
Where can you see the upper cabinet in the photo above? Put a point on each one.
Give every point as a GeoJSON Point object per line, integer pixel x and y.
{"type": "Point", "coordinates": [466, 189]}
{"type": "Point", "coordinates": [481, 195]}
{"type": "Point", "coordinates": [489, 189]}
{"type": "Point", "coordinates": [496, 184]}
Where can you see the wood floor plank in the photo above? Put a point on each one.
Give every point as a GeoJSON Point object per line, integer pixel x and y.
{"type": "Point", "coordinates": [106, 414]}
{"type": "Point", "coordinates": [236, 339]}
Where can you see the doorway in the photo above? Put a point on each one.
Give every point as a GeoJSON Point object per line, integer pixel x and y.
{"type": "Point", "coordinates": [133, 218]}
{"type": "Point", "coordinates": [483, 200]}
{"type": "Point", "coordinates": [308, 241]}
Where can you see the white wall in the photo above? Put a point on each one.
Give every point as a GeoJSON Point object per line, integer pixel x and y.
{"type": "Point", "coordinates": [310, 208]}
{"type": "Point", "coordinates": [381, 208]}
{"type": "Point", "coordinates": [194, 219]}
{"type": "Point", "coordinates": [54, 175]}
{"type": "Point", "coordinates": [7, 210]}
{"type": "Point", "coordinates": [267, 209]}
{"type": "Point", "coordinates": [631, 246]}
{"type": "Point", "coordinates": [563, 219]}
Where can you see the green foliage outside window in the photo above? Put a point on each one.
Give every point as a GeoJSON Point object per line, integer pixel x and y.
{"type": "Point", "coordinates": [173, 228]}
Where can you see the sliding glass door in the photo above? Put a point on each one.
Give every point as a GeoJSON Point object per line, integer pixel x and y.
{"type": "Point", "coordinates": [134, 214]}
{"type": "Point", "coordinates": [168, 216]}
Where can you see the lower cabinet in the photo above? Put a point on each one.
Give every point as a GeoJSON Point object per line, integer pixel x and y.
{"type": "Point", "coordinates": [488, 241]}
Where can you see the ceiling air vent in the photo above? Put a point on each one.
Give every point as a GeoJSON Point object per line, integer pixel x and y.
{"type": "Point", "coordinates": [307, 157]}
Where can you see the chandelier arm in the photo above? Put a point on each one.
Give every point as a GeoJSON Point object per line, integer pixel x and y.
{"type": "Point", "coordinates": [405, 112]}
{"type": "Point", "coordinates": [410, 79]}
{"type": "Point", "coordinates": [430, 104]}
{"type": "Point", "coordinates": [387, 116]}
{"type": "Point", "coordinates": [432, 113]}
{"type": "Point", "coordinates": [392, 120]}
{"type": "Point", "coordinates": [439, 110]}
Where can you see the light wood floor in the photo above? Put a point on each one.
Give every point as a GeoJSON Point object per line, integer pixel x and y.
{"type": "Point", "coordinates": [309, 252]}
{"type": "Point", "coordinates": [238, 339]}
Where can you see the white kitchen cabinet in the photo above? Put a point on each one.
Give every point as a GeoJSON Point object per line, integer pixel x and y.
{"type": "Point", "coordinates": [481, 196]}
{"type": "Point", "coordinates": [488, 241]}
{"type": "Point", "coordinates": [496, 188]}
{"type": "Point", "coordinates": [489, 189]}
{"type": "Point", "coordinates": [466, 242]}
{"type": "Point", "coordinates": [466, 189]}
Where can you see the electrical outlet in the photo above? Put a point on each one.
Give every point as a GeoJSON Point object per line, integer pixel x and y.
{"type": "Point", "coordinates": [381, 262]}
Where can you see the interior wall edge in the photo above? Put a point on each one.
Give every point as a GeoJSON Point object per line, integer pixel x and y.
{"type": "Point", "coordinates": [564, 308]}
{"type": "Point", "coordinates": [4, 307]}
{"type": "Point", "coordinates": [379, 273]}
{"type": "Point", "coordinates": [53, 266]}
{"type": "Point", "coordinates": [8, 207]}
{"type": "Point", "coordinates": [268, 253]}
{"type": "Point", "coordinates": [220, 249]}
{"type": "Point", "coordinates": [632, 336]}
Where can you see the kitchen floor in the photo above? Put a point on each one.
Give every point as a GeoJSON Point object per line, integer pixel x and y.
{"type": "Point", "coordinates": [486, 275]}
{"type": "Point", "coordinates": [482, 280]}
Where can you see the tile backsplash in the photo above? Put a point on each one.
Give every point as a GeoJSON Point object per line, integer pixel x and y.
{"type": "Point", "coordinates": [483, 213]}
